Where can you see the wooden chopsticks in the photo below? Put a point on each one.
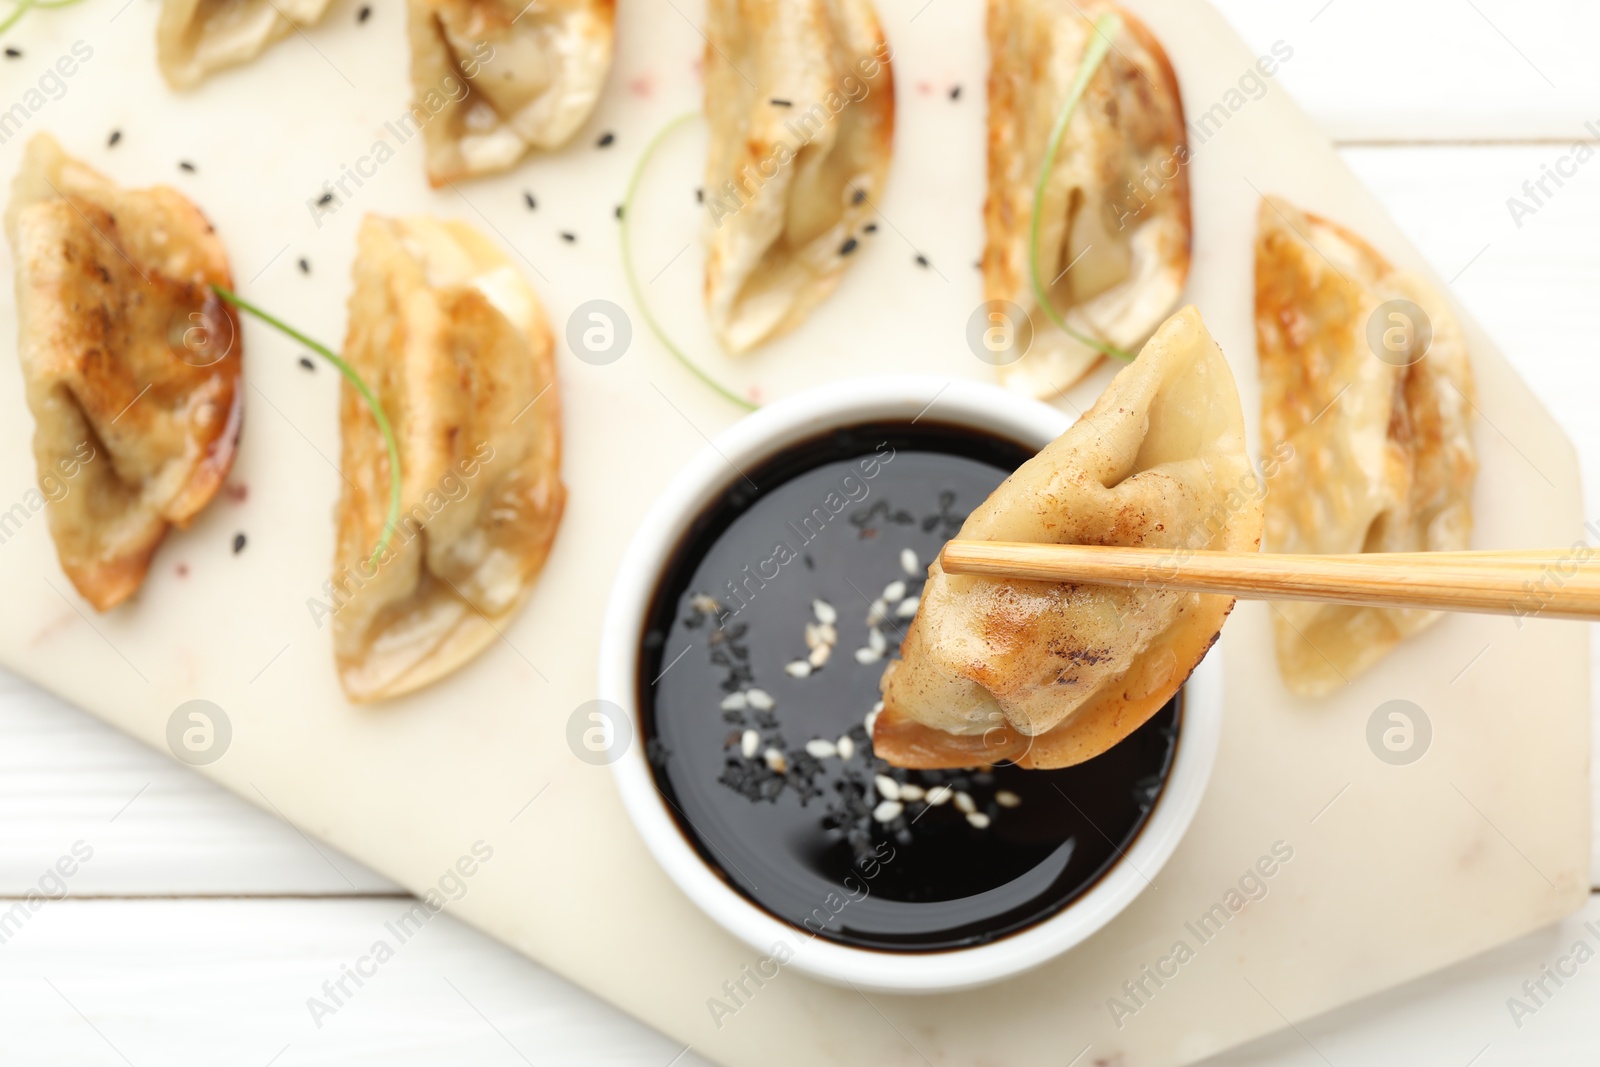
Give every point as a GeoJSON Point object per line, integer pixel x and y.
{"type": "Point", "coordinates": [1552, 584]}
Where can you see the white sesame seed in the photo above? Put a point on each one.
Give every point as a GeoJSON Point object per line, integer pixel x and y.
{"type": "Point", "coordinates": [908, 791]}
{"type": "Point", "coordinates": [1007, 799]}
{"type": "Point", "coordinates": [965, 802]}
{"type": "Point", "coordinates": [828, 633]}
{"type": "Point", "coordinates": [798, 669]}
{"type": "Point", "coordinates": [978, 819]}
{"type": "Point", "coordinates": [735, 702]}
{"type": "Point", "coordinates": [705, 605]}
{"type": "Point", "coordinates": [847, 747]}
{"type": "Point", "coordinates": [908, 562]}
{"type": "Point", "coordinates": [888, 811]}
{"type": "Point", "coordinates": [940, 794]}
{"type": "Point", "coordinates": [813, 635]}
{"type": "Point", "coordinates": [887, 787]}
{"type": "Point", "coordinates": [868, 655]}
{"type": "Point", "coordinates": [760, 699]}
{"type": "Point", "coordinates": [895, 591]}
{"type": "Point", "coordinates": [748, 743]}
{"type": "Point", "coordinates": [908, 607]}
{"type": "Point", "coordinates": [872, 718]}
{"type": "Point", "coordinates": [876, 641]}
{"type": "Point", "coordinates": [824, 611]}
{"type": "Point", "coordinates": [878, 612]}
{"type": "Point", "coordinates": [819, 655]}
{"type": "Point", "coordinates": [776, 760]}
{"type": "Point", "coordinates": [821, 748]}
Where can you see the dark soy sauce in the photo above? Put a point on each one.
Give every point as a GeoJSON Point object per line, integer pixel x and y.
{"type": "Point", "coordinates": [830, 520]}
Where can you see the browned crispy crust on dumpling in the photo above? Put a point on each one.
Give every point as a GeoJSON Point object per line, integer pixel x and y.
{"type": "Point", "coordinates": [1381, 450]}
{"type": "Point", "coordinates": [194, 38]}
{"type": "Point", "coordinates": [131, 363]}
{"type": "Point", "coordinates": [904, 742]}
{"type": "Point", "coordinates": [455, 344]}
{"type": "Point", "coordinates": [492, 80]}
{"type": "Point", "coordinates": [1115, 232]}
{"type": "Point", "coordinates": [800, 102]}
{"type": "Point", "coordinates": [1046, 674]}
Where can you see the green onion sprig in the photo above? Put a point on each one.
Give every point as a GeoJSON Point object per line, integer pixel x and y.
{"type": "Point", "coordinates": [393, 521]}
{"type": "Point", "coordinates": [24, 6]}
{"type": "Point", "coordinates": [1105, 28]}
{"type": "Point", "coordinates": [633, 278]}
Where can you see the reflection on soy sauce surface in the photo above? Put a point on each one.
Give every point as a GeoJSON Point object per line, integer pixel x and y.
{"type": "Point", "coordinates": [760, 674]}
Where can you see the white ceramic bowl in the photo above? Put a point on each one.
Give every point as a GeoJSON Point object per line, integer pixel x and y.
{"type": "Point", "coordinates": [747, 444]}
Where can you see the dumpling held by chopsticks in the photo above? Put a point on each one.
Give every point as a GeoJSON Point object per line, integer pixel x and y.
{"type": "Point", "coordinates": [1047, 674]}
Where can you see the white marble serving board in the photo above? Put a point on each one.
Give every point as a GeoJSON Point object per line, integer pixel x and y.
{"type": "Point", "coordinates": [1396, 870]}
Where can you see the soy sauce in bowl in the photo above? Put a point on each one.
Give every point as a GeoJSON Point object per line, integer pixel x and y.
{"type": "Point", "coordinates": [759, 672]}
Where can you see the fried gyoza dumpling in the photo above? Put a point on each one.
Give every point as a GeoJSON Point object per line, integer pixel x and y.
{"type": "Point", "coordinates": [1049, 675]}
{"type": "Point", "coordinates": [495, 78]}
{"type": "Point", "coordinates": [455, 344]}
{"type": "Point", "coordinates": [196, 37]}
{"type": "Point", "coordinates": [1376, 406]}
{"type": "Point", "coordinates": [800, 102]}
{"type": "Point", "coordinates": [131, 363]}
{"type": "Point", "coordinates": [1114, 228]}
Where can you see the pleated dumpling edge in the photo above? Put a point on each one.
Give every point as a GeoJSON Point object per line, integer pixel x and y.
{"type": "Point", "coordinates": [454, 342]}
{"type": "Point", "coordinates": [800, 103]}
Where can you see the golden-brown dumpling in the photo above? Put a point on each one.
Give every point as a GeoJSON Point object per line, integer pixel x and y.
{"type": "Point", "coordinates": [131, 363]}
{"type": "Point", "coordinates": [455, 344]}
{"type": "Point", "coordinates": [492, 79]}
{"type": "Point", "coordinates": [196, 37]}
{"type": "Point", "coordinates": [1382, 459]}
{"type": "Point", "coordinates": [1046, 674]}
{"type": "Point", "coordinates": [1114, 229]}
{"type": "Point", "coordinates": [800, 102]}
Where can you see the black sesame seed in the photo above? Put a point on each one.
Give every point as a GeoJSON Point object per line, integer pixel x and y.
{"type": "Point", "coordinates": [699, 196]}
{"type": "Point", "coordinates": [531, 202]}
{"type": "Point", "coordinates": [184, 164]}
{"type": "Point", "coordinates": [955, 92]}
{"type": "Point", "coordinates": [848, 246]}
{"type": "Point", "coordinates": [238, 543]}
{"type": "Point", "coordinates": [568, 236]}
{"type": "Point", "coordinates": [116, 135]}
{"type": "Point", "coordinates": [324, 199]}
{"type": "Point", "coordinates": [777, 102]}
{"type": "Point", "coordinates": [306, 364]}
{"type": "Point", "coordinates": [871, 227]}
{"type": "Point", "coordinates": [305, 265]}
{"type": "Point", "coordinates": [606, 139]}
{"type": "Point", "coordinates": [14, 53]}
{"type": "Point", "coordinates": [619, 211]}
{"type": "Point", "coordinates": [860, 195]}
{"type": "Point", "coordinates": [922, 260]}
{"type": "Point", "coordinates": [364, 14]}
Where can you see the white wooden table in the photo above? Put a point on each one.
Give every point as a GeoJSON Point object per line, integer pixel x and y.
{"type": "Point", "coordinates": [199, 926]}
